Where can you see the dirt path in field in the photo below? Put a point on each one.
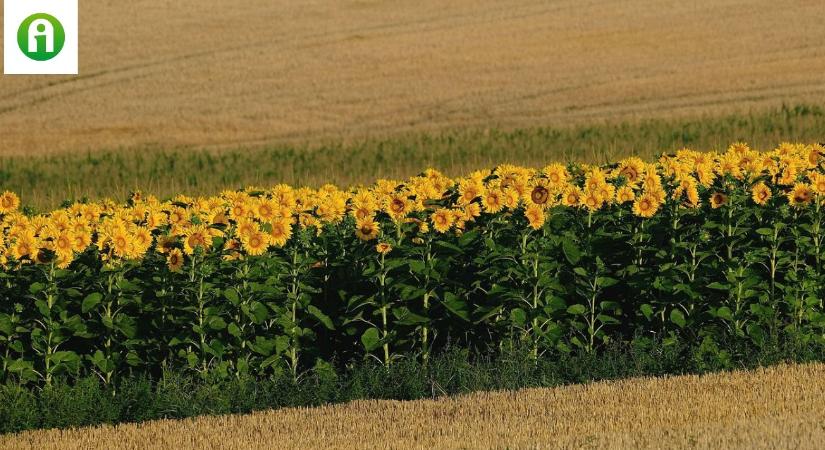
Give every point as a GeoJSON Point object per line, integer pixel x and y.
{"type": "Point", "coordinates": [776, 408]}
{"type": "Point", "coordinates": [217, 74]}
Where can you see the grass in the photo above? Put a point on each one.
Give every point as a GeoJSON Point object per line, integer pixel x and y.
{"type": "Point", "coordinates": [779, 407]}
{"type": "Point", "coordinates": [45, 181]}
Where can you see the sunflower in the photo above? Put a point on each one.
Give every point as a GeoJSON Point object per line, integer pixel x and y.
{"type": "Point", "coordinates": [645, 206]}
{"type": "Point", "coordinates": [63, 261]}
{"type": "Point", "coordinates": [470, 212]}
{"type": "Point", "coordinates": [800, 195]}
{"type": "Point", "coordinates": [423, 227]}
{"type": "Point", "coordinates": [240, 209]}
{"type": "Point", "coordinates": [625, 194]}
{"type": "Point", "coordinates": [592, 201]}
{"type": "Point", "coordinates": [266, 209]}
{"type": "Point", "coordinates": [572, 196]}
{"type": "Point", "coordinates": [165, 244]}
{"type": "Point", "coordinates": [281, 231]}
{"type": "Point", "coordinates": [63, 243]}
{"type": "Point", "coordinates": [469, 190]}
{"type": "Point", "coordinates": [245, 227]}
{"type": "Point", "coordinates": [383, 248]}
{"type": "Point", "coordinates": [691, 191]}
{"type": "Point", "coordinates": [367, 229]}
{"type": "Point", "coordinates": [539, 193]}
{"type": "Point", "coordinates": [178, 216]}
{"type": "Point", "coordinates": [398, 205]}
{"type": "Point", "coordinates": [492, 201]}
{"type": "Point", "coordinates": [9, 201]}
{"type": "Point", "coordinates": [760, 193]}
{"type": "Point", "coordinates": [175, 260]}
{"type": "Point", "coordinates": [142, 240]}
{"type": "Point", "coordinates": [631, 169]}
{"type": "Point", "coordinates": [705, 174]}
{"type": "Point", "coordinates": [718, 199]}
{"type": "Point", "coordinates": [535, 216]}
{"type": "Point", "coordinates": [256, 243]}
{"type": "Point", "coordinates": [82, 240]}
{"type": "Point", "coordinates": [556, 175]}
{"type": "Point", "coordinates": [817, 182]}
{"type": "Point", "coordinates": [24, 247]}
{"type": "Point", "coordinates": [121, 242]}
{"type": "Point", "coordinates": [442, 220]}
{"type": "Point", "coordinates": [606, 192]}
{"type": "Point", "coordinates": [196, 237]}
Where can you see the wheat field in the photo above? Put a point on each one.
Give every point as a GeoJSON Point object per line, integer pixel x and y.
{"type": "Point", "coordinates": [779, 407]}
{"type": "Point", "coordinates": [213, 74]}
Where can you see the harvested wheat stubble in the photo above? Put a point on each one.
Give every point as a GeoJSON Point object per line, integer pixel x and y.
{"type": "Point", "coordinates": [220, 74]}
{"type": "Point", "coordinates": [779, 407]}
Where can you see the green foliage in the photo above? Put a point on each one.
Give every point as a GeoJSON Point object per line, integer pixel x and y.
{"type": "Point", "coordinates": [175, 394]}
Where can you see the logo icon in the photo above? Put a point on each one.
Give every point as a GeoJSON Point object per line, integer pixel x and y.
{"type": "Point", "coordinates": [41, 37]}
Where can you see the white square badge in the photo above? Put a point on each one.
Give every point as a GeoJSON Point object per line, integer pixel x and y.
{"type": "Point", "coordinates": [40, 37]}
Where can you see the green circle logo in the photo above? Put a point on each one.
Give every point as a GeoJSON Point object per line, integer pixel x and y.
{"type": "Point", "coordinates": [41, 37]}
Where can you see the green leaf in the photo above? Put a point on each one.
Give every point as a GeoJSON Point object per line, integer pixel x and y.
{"type": "Point", "coordinates": [606, 281]}
{"type": "Point", "coordinates": [323, 318]}
{"type": "Point", "coordinates": [371, 339]}
{"type": "Point", "coordinates": [6, 327]}
{"type": "Point", "coordinates": [757, 334]}
{"type": "Point", "coordinates": [91, 301]}
{"type": "Point", "coordinates": [724, 313]}
{"type": "Point", "coordinates": [571, 251]}
{"type": "Point", "coordinates": [456, 306]}
{"type": "Point", "coordinates": [577, 309]}
{"type": "Point", "coordinates": [234, 330]}
{"type": "Point", "coordinates": [216, 323]}
{"type": "Point", "coordinates": [518, 316]}
{"type": "Point", "coordinates": [127, 326]}
{"type": "Point", "coordinates": [555, 303]}
{"type": "Point", "coordinates": [417, 267]}
{"type": "Point", "coordinates": [232, 295]}
{"type": "Point", "coordinates": [647, 310]}
{"type": "Point", "coordinates": [677, 317]}
{"type": "Point", "coordinates": [407, 317]}
{"type": "Point", "coordinates": [36, 287]}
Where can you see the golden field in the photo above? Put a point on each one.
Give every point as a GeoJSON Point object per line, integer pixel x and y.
{"type": "Point", "coordinates": [779, 407]}
{"type": "Point", "coordinates": [213, 74]}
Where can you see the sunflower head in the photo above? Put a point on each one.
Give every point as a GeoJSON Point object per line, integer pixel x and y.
{"type": "Point", "coordinates": [174, 260]}
{"type": "Point", "coordinates": [443, 219]}
{"type": "Point", "coordinates": [646, 206]}
{"type": "Point", "coordinates": [625, 194]}
{"type": "Point", "coordinates": [383, 248]}
{"type": "Point", "coordinates": [255, 244]}
{"type": "Point", "coordinates": [572, 196]}
{"type": "Point", "coordinates": [9, 201]}
{"type": "Point", "coordinates": [718, 199]}
{"type": "Point", "coordinates": [280, 231]}
{"type": "Point", "coordinates": [535, 216]}
{"type": "Point", "coordinates": [367, 229]}
{"type": "Point", "coordinates": [540, 194]}
{"type": "Point", "coordinates": [760, 193]}
{"type": "Point", "coordinates": [800, 195]}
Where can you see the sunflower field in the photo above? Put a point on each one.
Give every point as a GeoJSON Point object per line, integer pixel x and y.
{"type": "Point", "coordinates": [699, 247]}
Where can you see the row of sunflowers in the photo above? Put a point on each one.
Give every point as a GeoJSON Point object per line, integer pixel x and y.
{"type": "Point", "coordinates": [700, 246]}
{"type": "Point", "coordinates": [254, 220]}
